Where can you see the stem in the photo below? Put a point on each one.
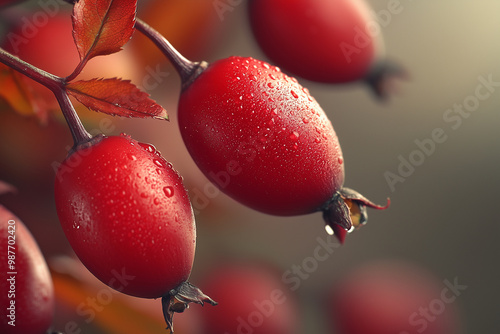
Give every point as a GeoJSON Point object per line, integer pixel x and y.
{"type": "Point", "coordinates": [77, 70]}
{"type": "Point", "coordinates": [80, 135]}
{"type": "Point", "coordinates": [188, 70]}
{"type": "Point", "coordinates": [57, 85]}
{"type": "Point", "coordinates": [42, 77]}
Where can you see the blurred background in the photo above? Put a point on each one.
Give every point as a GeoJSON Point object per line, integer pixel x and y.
{"type": "Point", "coordinates": [442, 215]}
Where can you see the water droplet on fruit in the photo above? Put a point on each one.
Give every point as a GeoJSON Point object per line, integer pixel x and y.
{"type": "Point", "coordinates": [148, 147]}
{"type": "Point", "coordinates": [144, 195]}
{"type": "Point", "coordinates": [132, 157]}
{"type": "Point", "coordinates": [305, 120]}
{"type": "Point", "coordinates": [294, 136]}
{"type": "Point", "coordinates": [158, 162]}
{"type": "Point", "coordinates": [340, 160]}
{"type": "Point", "coordinates": [156, 201]}
{"type": "Point", "coordinates": [270, 85]}
{"type": "Point", "coordinates": [329, 230]}
{"type": "Point", "coordinates": [272, 76]}
{"type": "Point", "coordinates": [294, 94]}
{"type": "Point", "coordinates": [317, 140]}
{"type": "Point", "coordinates": [169, 191]}
{"type": "Point", "coordinates": [159, 171]}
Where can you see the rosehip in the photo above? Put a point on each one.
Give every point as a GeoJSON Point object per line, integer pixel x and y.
{"type": "Point", "coordinates": [126, 213]}
{"type": "Point", "coordinates": [253, 299]}
{"type": "Point", "coordinates": [262, 139]}
{"type": "Point", "coordinates": [27, 290]}
{"type": "Point", "coordinates": [325, 41]}
{"type": "Point", "coordinates": [260, 136]}
{"type": "Point", "coordinates": [391, 297]}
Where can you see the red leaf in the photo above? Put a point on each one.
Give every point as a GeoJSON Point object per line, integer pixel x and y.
{"type": "Point", "coordinates": [102, 27]}
{"type": "Point", "coordinates": [115, 97]}
{"type": "Point", "coordinates": [22, 94]}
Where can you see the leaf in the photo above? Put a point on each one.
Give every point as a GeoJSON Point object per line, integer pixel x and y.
{"type": "Point", "coordinates": [115, 97]}
{"type": "Point", "coordinates": [21, 94]}
{"type": "Point", "coordinates": [102, 27]}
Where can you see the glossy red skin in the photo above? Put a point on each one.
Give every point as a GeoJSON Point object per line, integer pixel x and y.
{"type": "Point", "coordinates": [268, 135]}
{"type": "Point", "coordinates": [117, 217]}
{"type": "Point", "coordinates": [304, 37]}
{"type": "Point", "coordinates": [34, 292]}
{"type": "Point", "coordinates": [237, 287]}
{"type": "Point", "coordinates": [379, 298]}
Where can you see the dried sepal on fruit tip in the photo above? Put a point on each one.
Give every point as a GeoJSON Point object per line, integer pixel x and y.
{"type": "Point", "coordinates": [382, 78]}
{"type": "Point", "coordinates": [346, 211]}
{"type": "Point", "coordinates": [178, 299]}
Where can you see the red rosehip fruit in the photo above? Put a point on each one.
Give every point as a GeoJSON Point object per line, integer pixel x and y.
{"type": "Point", "coordinates": [252, 298]}
{"type": "Point", "coordinates": [325, 41]}
{"type": "Point", "coordinates": [125, 211]}
{"type": "Point", "coordinates": [260, 136]}
{"type": "Point", "coordinates": [27, 298]}
{"type": "Point", "coordinates": [391, 297]}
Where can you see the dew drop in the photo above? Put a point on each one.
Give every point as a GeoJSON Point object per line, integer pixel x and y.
{"type": "Point", "coordinates": [270, 85]}
{"type": "Point", "coordinates": [317, 140]}
{"type": "Point", "coordinates": [294, 136]}
{"type": "Point", "coordinates": [148, 147]}
{"type": "Point", "coordinates": [294, 94]}
{"type": "Point", "coordinates": [132, 157]}
{"type": "Point", "coordinates": [169, 191]}
{"type": "Point", "coordinates": [340, 160]}
{"type": "Point", "coordinates": [159, 171]}
{"type": "Point", "coordinates": [329, 230]}
{"type": "Point", "coordinates": [305, 120]}
{"type": "Point", "coordinates": [144, 195]}
{"type": "Point", "coordinates": [156, 201]}
{"type": "Point", "coordinates": [158, 162]}
{"type": "Point", "coordinates": [266, 66]}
